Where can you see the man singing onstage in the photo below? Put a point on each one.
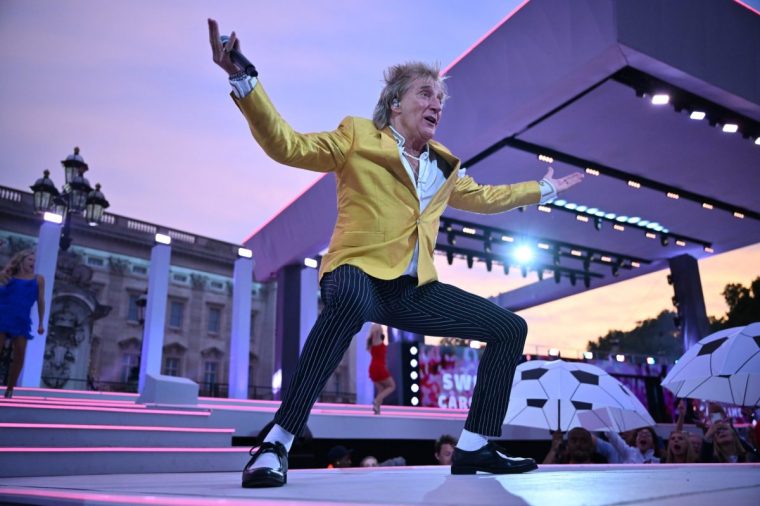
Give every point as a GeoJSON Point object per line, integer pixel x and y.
{"type": "Point", "coordinates": [393, 182]}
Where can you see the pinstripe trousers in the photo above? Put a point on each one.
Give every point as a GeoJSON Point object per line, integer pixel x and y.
{"type": "Point", "coordinates": [352, 298]}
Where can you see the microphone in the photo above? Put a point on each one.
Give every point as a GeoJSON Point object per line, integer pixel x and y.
{"type": "Point", "coordinates": [241, 60]}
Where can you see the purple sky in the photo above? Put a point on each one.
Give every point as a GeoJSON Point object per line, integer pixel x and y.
{"type": "Point", "coordinates": [132, 83]}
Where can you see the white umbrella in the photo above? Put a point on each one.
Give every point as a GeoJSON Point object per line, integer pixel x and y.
{"type": "Point", "coordinates": [614, 419]}
{"type": "Point", "coordinates": [723, 367]}
{"type": "Point", "coordinates": [551, 395]}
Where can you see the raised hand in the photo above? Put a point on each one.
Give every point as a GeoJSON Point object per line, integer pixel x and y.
{"type": "Point", "coordinates": [220, 52]}
{"type": "Point", "coordinates": [563, 183]}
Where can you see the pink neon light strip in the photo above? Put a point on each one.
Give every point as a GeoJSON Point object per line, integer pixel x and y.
{"type": "Point", "coordinates": [484, 37]}
{"type": "Point", "coordinates": [748, 7]}
{"type": "Point", "coordinates": [145, 428]}
{"type": "Point", "coordinates": [111, 410]}
{"type": "Point", "coordinates": [94, 497]}
{"type": "Point", "coordinates": [121, 449]}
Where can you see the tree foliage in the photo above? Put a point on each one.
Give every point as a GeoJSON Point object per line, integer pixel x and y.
{"type": "Point", "coordinates": [655, 336]}
{"type": "Point", "coordinates": [743, 306]}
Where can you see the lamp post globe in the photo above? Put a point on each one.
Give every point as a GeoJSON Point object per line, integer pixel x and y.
{"type": "Point", "coordinates": [44, 193]}
{"type": "Point", "coordinates": [94, 206]}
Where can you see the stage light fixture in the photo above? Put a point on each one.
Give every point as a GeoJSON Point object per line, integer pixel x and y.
{"type": "Point", "coordinates": [634, 184]}
{"type": "Point", "coordinates": [681, 243]}
{"type": "Point", "coordinates": [557, 276]}
{"type": "Point", "coordinates": [651, 361]}
{"type": "Point", "coordinates": [697, 115]}
{"type": "Point", "coordinates": [587, 281]}
{"type": "Point", "coordinates": [757, 141]}
{"type": "Point", "coordinates": [664, 240]}
{"type": "Point", "coordinates": [413, 375]}
{"type": "Point", "coordinates": [415, 401]}
{"type": "Point", "coordinates": [618, 227]}
{"type": "Point", "coordinates": [591, 171]}
{"type": "Point", "coordinates": [245, 253]}
{"type": "Point", "coordinates": [545, 209]}
{"type": "Point", "coordinates": [587, 263]}
{"type": "Point", "coordinates": [739, 215]}
{"type": "Point", "coordinates": [588, 355]}
{"type": "Point", "coordinates": [450, 257]}
{"type": "Point", "coordinates": [544, 158]}
{"type": "Point", "coordinates": [163, 239]}
{"type": "Point", "coordinates": [468, 230]}
{"type": "Point", "coordinates": [708, 249]}
{"type": "Point", "coordinates": [620, 357]}
{"type": "Point", "coordinates": [413, 350]}
{"type": "Point", "coordinates": [413, 362]}
{"type": "Point", "coordinates": [553, 352]}
{"type": "Point", "coordinates": [507, 238]}
{"type": "Point", "coordinates": [555, 258]}
{"type": "Point", "coordinates": [573, 279]}
{"type": "Point", "coordinates": [53, 217]}
{"type": "Point", "coordinates": [469, 261]}
{"type": "Point", "coordinates": [605, 258]}
{"type": "Point", "coordinates": [707, 205]}
{"type": "Point", "coordinates": [581, 217]}
{"type": "Point", "coordinates": [523, 254]}
{"type": "Point", "coordinates": [730, 128]}
{"type": "Point", "coordinates": [635, 264]}
{"type": "Point", "coordinates": [506, 269]}
{"type": "Point", "coordinates": [651, 235]}
{"type": "Point", "coordinates": [598, 223]}
{"type": "Point", "coordinates": [415, 388]}
{"type": "Point", "coordinates": [310, 262]}
{"type": "Point", "coordinates": [540, 273]}
{"type": "Point", "coordinates": [660, 99]}
{"type": "Point", "coordinates": [673, 195]}
{"type": "Point", "coordinates": [489, 264]}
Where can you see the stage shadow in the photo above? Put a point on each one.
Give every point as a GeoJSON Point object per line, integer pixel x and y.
{"type": "Point", "coordinates": [473, 490]}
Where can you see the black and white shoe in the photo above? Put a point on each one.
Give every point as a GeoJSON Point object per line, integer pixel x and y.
{"type": "Point", "coordinates": [255, 477]}
{"type": "Point", "coordinates": [489, 459]}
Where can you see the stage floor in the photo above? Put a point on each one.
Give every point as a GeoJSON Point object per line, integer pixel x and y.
{"type": "Point", "coordinates": [666, 485]}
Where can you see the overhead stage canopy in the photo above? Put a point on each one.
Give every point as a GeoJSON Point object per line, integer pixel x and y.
{"type": "Point", "coordinates": [572, 85]}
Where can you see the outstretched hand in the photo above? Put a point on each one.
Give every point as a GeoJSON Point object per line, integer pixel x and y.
{"type": "Point", "coordinates": [563, 183]}
{"type": "Point", "coordinates": [221, 52]}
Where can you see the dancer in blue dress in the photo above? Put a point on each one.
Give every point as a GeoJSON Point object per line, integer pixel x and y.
{"type": "Point", "coordinates": [20, 288]}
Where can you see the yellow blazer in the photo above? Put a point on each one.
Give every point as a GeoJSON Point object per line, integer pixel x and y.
{"type": "Point", "coordinates": [379, 220]}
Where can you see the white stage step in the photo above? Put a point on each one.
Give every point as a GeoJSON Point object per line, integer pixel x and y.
{"type": "Point", "coordinates": [16, 462]}
{"type": "Point", "coordinates": [17, 412]}
{"type": "Point", "coordinates": [72, 435]}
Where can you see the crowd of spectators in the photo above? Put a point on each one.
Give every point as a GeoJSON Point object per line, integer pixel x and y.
{"type": "Point", "coordinates": [714, 440]}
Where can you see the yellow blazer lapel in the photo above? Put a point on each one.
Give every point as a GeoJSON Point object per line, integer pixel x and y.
{"type": "Point", "coordinates": [389, 147]}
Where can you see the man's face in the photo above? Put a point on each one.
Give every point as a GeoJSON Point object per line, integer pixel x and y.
{"type": "Point", "coordinates": [444, 456]}
{"type": "Point", "coordinates": [420, 109]}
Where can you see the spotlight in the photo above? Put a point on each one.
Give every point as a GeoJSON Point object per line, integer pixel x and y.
{"type": "Point", "coordinates": [697, 115]}
{"type": "Point", "coordinates": [415, 388]}
{"type": "Point", "coordinates": [245, 253]}
{"type": "Point", "coordinates": [588, 355]}
{"type": "Point", "coordinates": [469, 261]}
{"type": "Point", "coordinates": [660, 99]}
{"type": "Point", "coordinates": [620, 358]}
{"type": "Point", "coordinates": [413, 350]}
{"type": "Point", "coordinates": [523, 254]}
{"type": "Point", "coordinates": [730, 128]}
{"type": "Point", "coordinates": [450, 257]}
{"type": "Point", "coordinates": [709, 249]}
{"type": "Point", "coordinates": [310, 262]}
{"type": "Point", "coordinates": [651, 360]}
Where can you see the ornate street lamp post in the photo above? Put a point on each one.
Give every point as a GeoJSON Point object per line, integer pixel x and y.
{"type": "Point", "coordinates": [78, 197]}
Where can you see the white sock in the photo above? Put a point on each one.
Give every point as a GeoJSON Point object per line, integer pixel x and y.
{"type": "Point", "coordinates": [470, 441]}
{"type": "Point", "coordinates": [276, 433]}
